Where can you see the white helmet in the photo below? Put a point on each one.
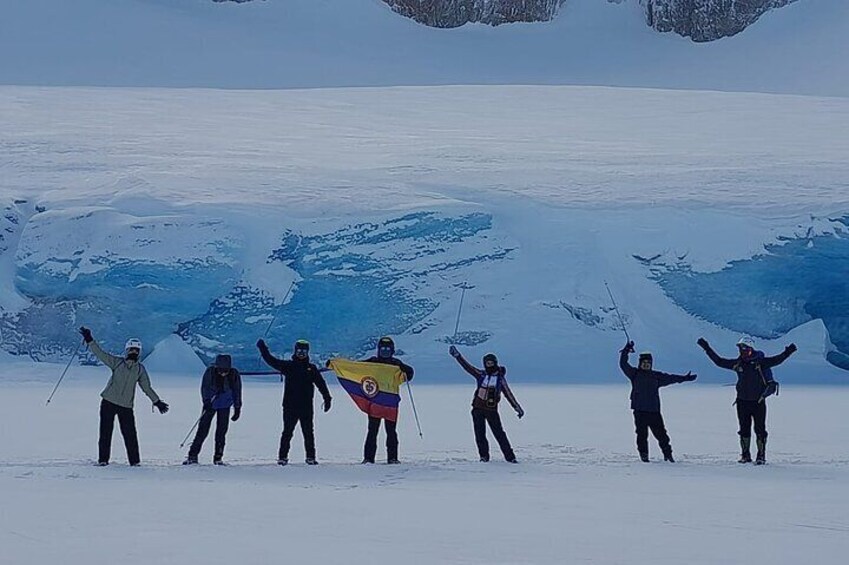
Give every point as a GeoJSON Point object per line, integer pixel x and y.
{"type": "Point", "coordinates": [133, 343]}
{"type": "Point", "coordinates": [746, 341]}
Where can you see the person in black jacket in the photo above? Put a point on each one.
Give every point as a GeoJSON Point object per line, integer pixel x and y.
{"type": "Point", "coordinates": [302, 378]}
{"type": "Point", "coordinates": [220, 390]}
{"type": "Point", "coordinates": [645, 400]}
{"type": "Point", "coordinates": [754, 385]}
{"type": "Point", "coordinates": [491, 384]}
{"type": "Point", "coordinates": [385, 355]}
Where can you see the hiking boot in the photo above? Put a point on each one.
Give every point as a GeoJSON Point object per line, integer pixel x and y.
{"type": "Point", "coordinates": [190, 460]}
{"type": "Point", "coordinates": [644, 457]}
{"type": "Point", "coordinates": [393, 462]}
{"type": "Point", "coordinates": [668, 457]}
{"type": "Point", "coordinates": [484, 458]}
{"type": "Point", "coordinates": [311, 461]}
{"type": "Point", "coordinates": [745, 458]}
{"type": "Point", "coordinates": [283, 462]}
{"type": "Point", "coordinates": [102, 463]}
{"type": "Point", "coordinates": [745, 450]}
{"type": "Point", "coordinates": [511, 459]}
{"type": "Point", "coordinates": [760, 458]}
{"type": "Point", "coordinates": [368, 462]}
{"type": "Point", "coordinates": [219, 462]}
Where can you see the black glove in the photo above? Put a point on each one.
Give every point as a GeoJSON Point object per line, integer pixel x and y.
{"type": "Point", "coordinates": [260, 344]}
{"type": "Point", "coordinates": [327, 404]}
{"type": "Point", "coordinates": [520, 413]}
{"type": "Point", "coordinates": [207, 406]}
{"type": "Point", "coordinates": [629, 347]}
{"type": "Point", "coordinates": [703, 343]}
{"type": "Point", "coordinates": [86, 333]}
{"type": "Point", "coordinates": [790, 349]}
{"type": "Point", "coordinates": [161, 406]}
{"type": "Point", "coordinates": [454, 352]}
{"type": "Point", "coordinates": [689, 377]}
{"type": "Point", "coordinates": [237, 412]}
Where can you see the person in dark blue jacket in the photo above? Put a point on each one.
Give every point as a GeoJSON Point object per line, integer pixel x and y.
{"type": "Point", "coordinates": [220, 390]}
{"type": "Point", "coordinates": [754, 385]}
{"type": "Point", "coordinates": [645, 400]}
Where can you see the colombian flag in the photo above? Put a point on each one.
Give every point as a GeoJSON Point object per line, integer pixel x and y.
{"type": "Point", "coordinates": [373, 387]}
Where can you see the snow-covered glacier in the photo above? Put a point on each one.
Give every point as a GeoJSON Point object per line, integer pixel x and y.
{"type": "Point", "coordinates": [185, 217]}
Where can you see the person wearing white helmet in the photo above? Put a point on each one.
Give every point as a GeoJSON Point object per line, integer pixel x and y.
{"type": "Point", "coordinates": [755, 384]}
{"type": "Point", "coordinates": [118, 396]}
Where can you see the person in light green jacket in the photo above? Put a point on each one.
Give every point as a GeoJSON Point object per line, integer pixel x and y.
{"type": "Point", "coordinates": [118, 396]}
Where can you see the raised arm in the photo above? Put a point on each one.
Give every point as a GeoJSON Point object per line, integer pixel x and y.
{"type": "Point", "coordinates": [270, 360]}
{"type": "Point", "coordinates": [111, 361]}
{"type": "Point", "coordinates": [776, 360]}
{"type": "Point", "coordinates": [468, 367]}
{"type": "Point", "coordinates": [717, 360]}
{"type": "Point", "coordinates": [623, 360]}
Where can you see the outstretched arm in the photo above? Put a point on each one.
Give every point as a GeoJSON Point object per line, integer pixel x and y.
{"type": "Point", "coordinates": [776, 360]}
{"type": "Point", "coordinates": [665, 379]}
{"type": "Point", "coordinates": [717, 360]}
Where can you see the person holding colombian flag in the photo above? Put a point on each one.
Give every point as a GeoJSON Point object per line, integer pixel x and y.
{"type": "Point", "coordinates": [374, 386]}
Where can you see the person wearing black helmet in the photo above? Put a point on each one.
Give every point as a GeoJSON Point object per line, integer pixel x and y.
{"type": "Point", "coordinates": [491, 384]}
{"type": "Point", "coordinates": [385, 355]}
{"type": "Point", "coordinates": [645, 400]}
{"type": "Point", "coordinates": [220, 390]}
{"type": "Point", "coordinates": [754, 385]}
{"type": "Point", "coordinates": [302, 378]}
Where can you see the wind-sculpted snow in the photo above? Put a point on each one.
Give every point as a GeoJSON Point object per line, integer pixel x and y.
{"type": "Point", "coordinates": [792, 282]}
{"type": "Point", "coordinates": [356, 284]}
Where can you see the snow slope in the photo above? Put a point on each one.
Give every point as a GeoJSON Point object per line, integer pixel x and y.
{"type": "Point", "coordinates": [579, 494]}
{"type": "Point", "coordinates": [151, 212]}
{"type": "Point", "coordinates": [309, 43]}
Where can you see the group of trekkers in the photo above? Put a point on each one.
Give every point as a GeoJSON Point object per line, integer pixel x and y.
{"type": "Point", "coordinates": [221, 393]}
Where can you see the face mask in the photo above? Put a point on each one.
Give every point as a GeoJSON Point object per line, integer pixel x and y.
{"type": "Point", "coordinates": [132, 355]}
{"type": "Point", "coordinates": [384, 352]}
{"type": "Point", "coordinates": [645, 365]}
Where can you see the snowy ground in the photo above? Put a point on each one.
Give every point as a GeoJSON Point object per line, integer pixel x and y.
{"type": "Point", "coordinates": [579, 495]}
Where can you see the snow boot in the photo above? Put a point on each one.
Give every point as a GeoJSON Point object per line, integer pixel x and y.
{"type": "Point", "coordinates": [190, 460]}
{"type": "Point", "coordinates": [760, 458]}
{"type": "Point", "coordinates": [644, 457]}
{"type": "Point", "coordinates": [745, 450]}
{"type": "Point", "coordinates": [283, 462]}
{"type": "Point", "coordinates": [311, 461]}
{"type": "Point", "coordinates": [668, 457]}
{"type": "Point", "coordinates": [102, 463]}
{"type": "Point", "coordinates": [393, 462]}
{"type": "Point", "coordinates": [484, 458]}
{"type": "Point", "coordinates": [512, 459]}
{"type": "Point", "coordinates": [368, 462]}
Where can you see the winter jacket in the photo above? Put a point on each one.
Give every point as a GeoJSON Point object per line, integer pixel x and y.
{"type": "Point", "coordinates": [754, 380]}
{"type": "Point", "coordinates": [121, 388]}
{"type": "Point", "coordinates": [645, 385]}
{"type": "Point", "coordinates": [221, 391]}
{"type": "Point", "coordinates": [480, 399]}
{"type": "Point", "coordinates": [302, 377]}
{"type": "Point", "coordinates": [406, 369]}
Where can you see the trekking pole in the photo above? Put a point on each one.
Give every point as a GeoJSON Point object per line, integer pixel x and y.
{"type": "Point", "coordinates": [68, 366]}
{"type": "Point", "coordinates": [618, 314]}
{"type": "Point", "coordinates": [191, 431]}
{"type": "Point", "coordinates": [465, 287]}
{"type": "Point", "coordinates": [415, 413]}
{"type": "Point", "coordinates": [276, 313]}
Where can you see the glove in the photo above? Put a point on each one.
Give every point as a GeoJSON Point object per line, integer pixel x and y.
{"type": "Point", "coordinates": [327, 404]}
{"type": "Point", "coordinates": [520, 413]}
{"type": "Point", "coordinates": [454, 352]}
{"type": "Point", "coordinates": [161, 406]}
{"type": "Point", "coordinates": [327, 364]}
{"type": "Point", "coordinates": [689, 377]}
{"type": "Point", "coordinates": [703, 343]}
{"type": "Point", "coordinates": [86, 333]}
{"type": "Point", "coordinates": [207, 406]}
{"type": "Point", "coordinates": [237, 412]}
{"type": "Point", "coordinates": [629, 347]}
{"type": "Point", "coordinates": [260, 344]}
{"type": "Point", "coordinates": [790, 349]}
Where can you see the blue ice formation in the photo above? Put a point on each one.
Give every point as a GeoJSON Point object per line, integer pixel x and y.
{"type": "Point", "coordinates": [794, 281]}
{"type": "Point", "coordinates": [357, 283]}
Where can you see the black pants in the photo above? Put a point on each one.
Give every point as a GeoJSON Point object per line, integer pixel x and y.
{"type": "Point", "coordinates": [370, 449]}
{"type": "Point", "coordinates": [645, 421]}
{"type": "Point", "coordinates": [291, 418]}
{"type": "Point", "coordinates": [222, 424]}
{"type": "Point", "coordinates": [480, 418]}
{"type": "Point", "coordinates": [127, 423]}
{"type": "Point", "coordinates": [748, 411]}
